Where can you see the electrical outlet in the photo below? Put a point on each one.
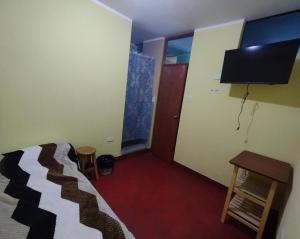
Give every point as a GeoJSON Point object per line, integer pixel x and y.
{"type": "Point", "coordinates": [217, 77]}
{"type": "Point", "coordinates": [189, 98]}
{"type": "Point", "coordinates": [214, 90]}
{"type": "Point", "coordinates": [282, 234]}
{"type": "Point", "coordinates": [110, 140]}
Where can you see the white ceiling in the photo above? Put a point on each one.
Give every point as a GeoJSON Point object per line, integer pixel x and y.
{"type": "Point", "coordinates": [156, 18]}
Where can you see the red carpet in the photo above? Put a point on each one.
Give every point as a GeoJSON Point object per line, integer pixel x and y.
{"type": "Point", "coordinates": [158, 200]}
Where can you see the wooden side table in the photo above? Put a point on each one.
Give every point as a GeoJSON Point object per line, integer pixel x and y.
{"type": "Point", "coordinates": [86, 154]}
{"type": "Point", "coordinates": [252, 201]}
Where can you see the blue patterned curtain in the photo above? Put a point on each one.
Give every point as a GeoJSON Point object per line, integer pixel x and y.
{"type": "Point", "coordinates": [138, 103]}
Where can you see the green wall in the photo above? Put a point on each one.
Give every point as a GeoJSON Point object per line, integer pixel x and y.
{"type": "Point", "coordinates": [63, 71]}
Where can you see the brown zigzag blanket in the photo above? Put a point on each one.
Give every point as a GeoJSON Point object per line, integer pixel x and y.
{"type": "Point", "coordinates": [43, 195]}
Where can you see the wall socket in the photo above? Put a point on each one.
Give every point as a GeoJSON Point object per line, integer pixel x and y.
{"type": "Point", "coordinates": [282, 233]}
{"type": "Point", "coordinates": [109, 140]}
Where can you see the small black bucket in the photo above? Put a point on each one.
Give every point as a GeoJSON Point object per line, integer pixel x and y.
{"type": "Point", "coordinates": [106, 164]}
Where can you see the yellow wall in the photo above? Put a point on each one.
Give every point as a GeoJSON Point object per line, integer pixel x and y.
{"type": "Point", "coordinates": [63, 72]}
{"type": "Point", "coordinates": [207, 137]}
{"type": "Point", "coordinates": [287, 94]}
{"type": "Point", "coordinates": [155, 48]}
{"type": "Point", "coordinates": [289, 226]}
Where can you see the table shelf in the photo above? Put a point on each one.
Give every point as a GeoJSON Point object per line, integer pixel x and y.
{"type": "Point", "coordinates": [247, 210]}
{"type": "Point", "coordinates": [252, 187]}
{"type": "Point", "coordinates": [250, 194]}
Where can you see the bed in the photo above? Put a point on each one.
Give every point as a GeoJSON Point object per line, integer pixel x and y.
{"type": "Point", "coordinates": [44, 195]}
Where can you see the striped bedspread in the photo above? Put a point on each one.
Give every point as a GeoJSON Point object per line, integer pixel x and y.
{"type": "Point", "coordinates": [43, 195]}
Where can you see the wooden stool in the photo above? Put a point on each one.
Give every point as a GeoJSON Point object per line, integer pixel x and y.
{"type": "Point", "coordinates": [85, 154]}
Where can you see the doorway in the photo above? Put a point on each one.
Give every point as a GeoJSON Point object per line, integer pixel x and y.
{"type": "Point", "coordinates": [138, 102]}
{"type": "Point", "coordinates": [170, 96]}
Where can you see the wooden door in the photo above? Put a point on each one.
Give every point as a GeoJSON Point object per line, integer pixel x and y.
{"type": "Point", "coordinates": [169, 101]}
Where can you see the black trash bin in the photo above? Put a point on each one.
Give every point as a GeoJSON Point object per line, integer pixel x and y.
{"type": "Point", "coordinates": [106, 164]}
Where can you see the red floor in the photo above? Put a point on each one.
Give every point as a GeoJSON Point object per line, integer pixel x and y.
{"type": "Point", "coordinates": [158, 200]}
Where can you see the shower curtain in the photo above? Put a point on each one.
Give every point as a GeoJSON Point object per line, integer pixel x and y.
{"type": "Point", "coordinates": [138, 103]}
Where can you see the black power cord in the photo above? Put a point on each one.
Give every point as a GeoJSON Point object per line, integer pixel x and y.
{"type": "Point", "coordinates": [242, 106]}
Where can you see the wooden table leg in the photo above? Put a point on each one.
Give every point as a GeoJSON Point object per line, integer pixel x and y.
{"type": "Point", "coordinates": [229, 193]}
{"type": "Point", "coordinates": [95, 166]}
{"type": "Point", "coordinates": [82, 163]}
{"type": "Point", "coordinates": [266, 210]}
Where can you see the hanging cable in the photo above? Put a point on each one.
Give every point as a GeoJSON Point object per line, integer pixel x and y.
{"type": "Point", "coordinates": [255, 108]}
{"type": "Point", "coordinates": [242, 106]}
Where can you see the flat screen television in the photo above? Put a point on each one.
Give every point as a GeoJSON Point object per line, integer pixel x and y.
{"type": "Point", "coordinates": [265, 64]}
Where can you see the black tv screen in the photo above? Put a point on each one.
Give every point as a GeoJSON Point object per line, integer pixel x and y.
{"type": "Point", "coordinates": [265, 64]}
